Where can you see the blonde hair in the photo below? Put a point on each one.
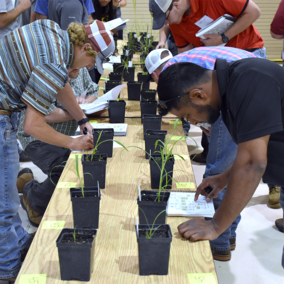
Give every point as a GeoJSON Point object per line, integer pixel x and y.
{"type": "Point", "coordinates": [78, 36]}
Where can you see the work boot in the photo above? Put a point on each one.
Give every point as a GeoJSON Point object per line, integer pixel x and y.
{"type": "Point", "coordinates": [34, 217]}
{"type": "Point", "coordinates": [232, 243]}
{"type": "Point", "coordinates": [198, 159]}
{"type": "Point", "coordinates": [279, 225]}
{"type": "Point", "coordinates": [24, 176]}
{"type": "Point", "coordinates": [273, 197]}
{"type": "Point", "coordinates": [8, 281]}
{"type": "Point", "coordinates": [221, 255]}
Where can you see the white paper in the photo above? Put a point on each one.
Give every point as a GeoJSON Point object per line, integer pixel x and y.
{"type": "Point", "coordinates": [111, 25]}
{"type": "Point", "coordinates": [203, 22]}
{"type": "Point", "coordinates": [108, 66]}
{"type": "Point", "coordinates": [115, 59]}
{"type": "Point", "coordinates": [111, 95]}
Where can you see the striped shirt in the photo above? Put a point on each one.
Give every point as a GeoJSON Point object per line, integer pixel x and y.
{"type": "Point", "coordinates": [33, 65]}
{"type": "Point", "coordinates": [206, 56]}
{"type": "Point", "coordinates": [79, 85]}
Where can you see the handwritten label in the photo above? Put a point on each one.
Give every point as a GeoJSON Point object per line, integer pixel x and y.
{"type": "Point", "coordinates": [186, 185]}
{"type": "Point", "coordinates": [33, 279]}
{"type": "Point", "coordinates": [53, 225]}
{"type": "Point", "coordinates": [178, 157]}
{"type": "Point", "coordinates": [72, 156]}
{"type": "Point", "coordinates": [178, 138]}
{"type": "Point", "coordinates": [63, 184]}
{"type": "Point", "coordinates": [173, 122]}
{"type": "Point", "coordinates": [201, 278]}
{"type": "Point", "coordinates": [104, 79]}
{"type": "Point", "coordinates": [93, 121]}
{"type": "Point", "coordinates": [101, 88]}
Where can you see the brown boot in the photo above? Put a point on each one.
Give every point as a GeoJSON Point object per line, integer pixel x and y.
{"type": "Point", "coordinates": [221, 255]}
{"type": "Point", "coordinates": [279, 225]}
{"type": "Point", "coordinates": [24, 176]}
{"type": "Point", "coordinates": [34, 217]}
{"type": "Point", "coordinates": [8, 281]}
{"type": "Point", "coordinates": [273, 198]}
{"type": "Point", "coordinates": [232, 243]}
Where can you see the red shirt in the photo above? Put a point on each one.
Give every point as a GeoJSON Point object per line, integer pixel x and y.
{"type": "Point", "coordinates": [184, 32]}
{"type": "Point", "coordinates": [277, 25]}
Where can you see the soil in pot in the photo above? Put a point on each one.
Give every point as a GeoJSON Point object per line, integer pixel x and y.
{"type": "Point", "coordinates": [150, 137]}
{"type": "Point", "coordinates": [86, 209]}
{"type": "Point", "coordinates": [155, 172]}
{"type": "Point", "coordinates": [154, 253]}
{"type": "Point", "coordinates": [148, 107]}
{"type": "Point", "coordinates": [117, 111]}
{"type": "Point", "coordinates": [150, 208]}
{"type": "Point", "coordinates": [115, 76]}
{"type": "Point", "coordinates": [107, 146]}
{"type": "Point", "coordinates": [151, 121]}
{"type": "Point", "coordinates": [76, 260]}
{"type": "Point", "coordinates": [134, 89]}
{"type": "Point", "coordinates": [94, 169]}
{"type": "Point", "coordinates": [148, 95]}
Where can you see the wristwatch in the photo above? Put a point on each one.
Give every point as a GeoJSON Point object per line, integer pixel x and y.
{"type": "Point", "coordinates": [83, 121]}
{"type": "Point", "coordinates": [224, 38]}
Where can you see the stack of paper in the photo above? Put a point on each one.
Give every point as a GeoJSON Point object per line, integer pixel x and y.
{"type": "Point", "coordinates": [183, 204]}
{"type": "Point", "coordinates": [120, 129]}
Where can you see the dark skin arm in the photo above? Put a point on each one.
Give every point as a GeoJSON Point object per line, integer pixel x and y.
{"type": "Point", "coordinates": [243, 179]}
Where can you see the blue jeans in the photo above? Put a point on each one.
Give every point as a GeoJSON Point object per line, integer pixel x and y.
{"type": "Point", "coordinates": [13, 237]}
{"type": "Point", "coordinates": [281, 200]}
{"type": "Point", "coordinates": [221, 154]}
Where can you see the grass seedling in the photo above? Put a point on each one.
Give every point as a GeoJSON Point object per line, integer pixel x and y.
{"type": "Point", "coordinates": [74, 235]}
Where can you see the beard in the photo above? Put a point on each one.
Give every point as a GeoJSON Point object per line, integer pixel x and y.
{"type": "Point", "coordinates": [212, 113]}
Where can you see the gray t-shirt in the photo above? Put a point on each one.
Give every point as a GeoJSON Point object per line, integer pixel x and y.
{"type": "Point", "coordinates": [6, 6]}
{"type": "Point", "coordinates": [65, 12]}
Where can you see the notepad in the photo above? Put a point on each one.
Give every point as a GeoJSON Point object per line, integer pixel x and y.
{"type": "Point", "coordinates": [183, 204]}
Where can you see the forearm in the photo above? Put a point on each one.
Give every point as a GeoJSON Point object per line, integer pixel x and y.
{"type": "Point", "coordinates": [163, 34]}
{"type": "Point", "coordinates": [123, 3]}
{"type": "Point", "coordinates": [57, 116]}
{"type": "Point", "coordinates": [9, 17]}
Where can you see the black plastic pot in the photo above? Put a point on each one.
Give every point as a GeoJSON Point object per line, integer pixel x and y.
{"type": "Point", "coordinates": [155, 43]}
{"type": "Point", "coordinates": [150, 137]}
{"type": "Point", "coordinates": [150, 208]}
{"type": "Point", "coordinates": [76, 260]}
{"type": "Point", "coordinates": [148, 107]}
{"type": "Point", "coordinates": [116, 111]}
{"type": "Point", "coordinates": [111, 84]}
{"type": "Point", "coordinates": [117, 68]}
{"type": "Point", "coordinates": [105, 147]}
{"type": "Point", "coordinates": [151, 121]}
{"type": "Point", "coordinates": [86, 210]}
{"type": "Point", "coordinates": [134, 89]}
{"type": "Point", "coordinates": [147, 95]}
{"type": "Point", "coordinates": [154, 253]}
{"type": "Point", "coordinates": [143, 78]}
{"type": "Point", "coordinates": [94, 170]}
{"type": "Point", "coordinates": [155, 171]}
{"type": "Point", "coordinates": [115, 76]}
{"type": "Point", "coordinates": [128, 74]}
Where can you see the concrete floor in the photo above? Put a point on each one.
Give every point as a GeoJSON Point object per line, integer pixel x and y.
{"type": "Point", "coordinates": [257, 258]}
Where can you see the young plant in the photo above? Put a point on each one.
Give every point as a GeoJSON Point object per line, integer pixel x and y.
{"type": "Point", "coordinates": [74, 235]}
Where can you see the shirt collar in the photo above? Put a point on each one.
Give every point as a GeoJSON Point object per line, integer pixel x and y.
{"type": "Point", "coordinates": [221, 67]}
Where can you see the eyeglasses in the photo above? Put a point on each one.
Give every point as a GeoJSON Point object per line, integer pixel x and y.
{"type": "Point", "coordinates": [170, 9]}
{"type": "Point", "coordinates": [163, 104]}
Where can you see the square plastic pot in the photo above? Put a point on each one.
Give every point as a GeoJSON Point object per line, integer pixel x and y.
{"type": "Point", "coordinates": [111, 84]}
{"type": "Point", "coordinates": [150, 137]}
{"type": "Point", "coordinates": [117, 68]}
{"type": "Point", "coordinates": [150, 208]}
{"type": "Point", "coordinates": [116, 111]}
{"type": "Point", "coordinates": [151, 121]}
{"type": "Point", "coordinates": [148, 107]}
{"type": "Point", "coordinates": [143, 78]}
{"type": "Point", "coordinates": [155, 171]}
{"type": "Point", "coordinates": [94, 170]}
{"type": "Point", "coordinates": [128, 74]}
{"type": "Point", "coordinates": [154, 253]}
{"type": "Point", "coordinates": [134, 89]}
{"type": "Point", "coordinates": [115, 76]}
{"type": "Point", "coordinates": [148, 95]}
{"type": "Point", "coordinates": [76, 260]}
{"type": "Point", "coordinates": [107, 146]}
{"type": "Point", "coordinates": [86, 210]}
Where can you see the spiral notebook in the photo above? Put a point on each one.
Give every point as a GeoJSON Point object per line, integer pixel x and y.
{"type": "Point", "coordinates": [183, 204]}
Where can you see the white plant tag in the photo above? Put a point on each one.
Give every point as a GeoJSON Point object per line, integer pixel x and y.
{"type": "Point", "coordinates": [148, 36]}
{"type": "Point", "coordinates": [138, 39]}
{"type": "Point", "coordinates": [135, 35]}
{"type": "Point", "coordinates": [139, 192]}
{"type": "Point", "coordinates": [126, 52]}
{"type": "Point", "coordinates": [129, 63]}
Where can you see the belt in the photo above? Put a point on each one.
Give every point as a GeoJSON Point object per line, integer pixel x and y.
{"type": "Point", "coordinates": [5, 112]}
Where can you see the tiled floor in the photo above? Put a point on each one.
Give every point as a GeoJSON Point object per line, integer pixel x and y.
{"type": "Point", "coordinates": [257, 258]}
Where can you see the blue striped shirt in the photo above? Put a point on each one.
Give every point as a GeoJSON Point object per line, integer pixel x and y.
{"type": "Point", "coordinates": [33, 65]}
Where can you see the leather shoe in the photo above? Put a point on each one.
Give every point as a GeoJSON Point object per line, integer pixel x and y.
{"type": "Point", "coordinates": [279, 225]}
{"type": "Point", "coordinates": [198, 159]}
{"type": "Point", "coordinates": [24, 176]}
{"type": "Point", "coordinates": [221, 255]}
{"type": "Point", "coordinates": [34, 217]}
{"type": "Point", "coordinates": [273, 198]}
{"type": "Point", "coordinates": [232, 243]}
{"type": "Point", "coordinates": [8, 281]}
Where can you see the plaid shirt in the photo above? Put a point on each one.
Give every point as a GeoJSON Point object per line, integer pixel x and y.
{"type": "Point", "coordinates": [206, 56]}
{"type": "Point", "coordinates": [79, 85]}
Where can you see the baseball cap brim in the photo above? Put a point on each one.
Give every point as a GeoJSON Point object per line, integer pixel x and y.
{"type": "Point", "coordinates": [101, 57]}
{"type": "Point", "coordinates": [159, 17]}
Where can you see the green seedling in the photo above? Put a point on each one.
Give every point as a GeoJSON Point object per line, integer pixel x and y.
{"type": "Point", "coordinates": [74, 235]}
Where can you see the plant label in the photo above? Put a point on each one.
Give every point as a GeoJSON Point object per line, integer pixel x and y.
{"type": "Point", "coordinates": [178, 138]}
{"type": "Point", "coordinates": [201, 278]}
{"type": "Point", "coordinates": [178, 157]}
{"type": "Point", "coordinates": [127, 52]}
{"type": "Point", "coordinates": [33, 279]}
{"type": "Point", "coordinates": [53, 225]}
{"type": "Point", "coordinates": [173, 122]}
{"type": "Point", "coordinates": [129, 63]}
{"type": "Point", "coordinates": [148, 36]}
{"type": "Point", "coordinates": [67, 184]}
{"type": "Point", "coordinates": [190, 185]}
{"type": "Point", "coordinates": [72, 156]}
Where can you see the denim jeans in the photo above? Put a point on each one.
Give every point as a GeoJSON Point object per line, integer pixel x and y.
{"type": "Point", "coordinates": [13, 237]}
{"type": "Point", "coordinates": [281, 200]}
{"type": "Point", "coordinates": [221, 154]}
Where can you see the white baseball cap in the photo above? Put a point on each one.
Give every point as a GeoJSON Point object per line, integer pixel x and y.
{"type": "Point", "coordinates": [154, 60]}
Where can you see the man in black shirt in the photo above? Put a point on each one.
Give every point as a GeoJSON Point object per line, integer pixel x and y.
{"type": "Point", "coordinates": [249, 94]}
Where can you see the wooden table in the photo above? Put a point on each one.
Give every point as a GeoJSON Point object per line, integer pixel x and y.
{"type": "Point", "coordinates": [116, 248]}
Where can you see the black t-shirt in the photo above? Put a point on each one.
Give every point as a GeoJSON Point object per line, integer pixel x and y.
{"type": "Point", "coordinates": [252, 106]}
